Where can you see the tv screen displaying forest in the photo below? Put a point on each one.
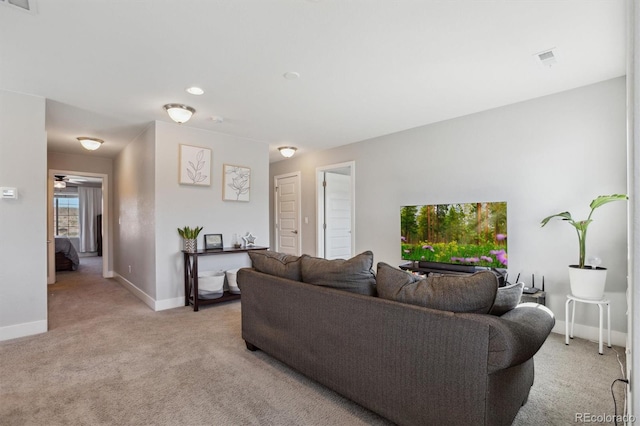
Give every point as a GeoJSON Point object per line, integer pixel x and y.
{"type": "Point", "coordinates": [467, 233]}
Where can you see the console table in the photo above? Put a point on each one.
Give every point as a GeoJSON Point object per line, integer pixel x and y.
{"type": "Point", "coordinates": [191, 275]}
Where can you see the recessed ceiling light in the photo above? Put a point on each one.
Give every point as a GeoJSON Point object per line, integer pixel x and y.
{"type": "Point", "coordinates": [195, 90]}
{"type": "Point", "coordinates": [291, 75]}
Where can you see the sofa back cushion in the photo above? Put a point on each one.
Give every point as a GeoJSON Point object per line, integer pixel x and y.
{"type": "Point", "coordinates": [278, 264]}
{"type": "Point", "coordinates": [508, 297]}
{"type": "Point", "coordinates": [456, 293]}
{"type": "Point", "coordinates": [354, 275]}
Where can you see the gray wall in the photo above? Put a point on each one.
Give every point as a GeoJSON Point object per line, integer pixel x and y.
{"type": "Point", "coordinates": [23, 222]}
{"type": "Point", "coordinates": [150, 205]}
{"type": "Point", "coordinates": [134, 212]}
{"type": "Point", "coordinates": [180, 205]}
{"type": "Point", "coordinates": [543, 156]}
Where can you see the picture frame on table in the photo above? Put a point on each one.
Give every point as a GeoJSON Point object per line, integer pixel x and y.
{"type": "Point", "coordinates": [213, 242]}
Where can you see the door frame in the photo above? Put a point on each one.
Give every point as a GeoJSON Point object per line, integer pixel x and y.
{"type": "Point", "coordinates": [297, 175]}
{"type": "Point", "coordinates": [106, 220]}
{"type": "Point", "coordinates": [320, 204]}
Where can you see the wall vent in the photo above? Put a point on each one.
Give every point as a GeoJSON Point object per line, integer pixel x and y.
{"type": "Point", "coordinates": [24, 5]}
{"type": "Point", "coordinates": [548, 58]}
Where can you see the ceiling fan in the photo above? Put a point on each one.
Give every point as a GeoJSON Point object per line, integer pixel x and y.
{"type": "Point", "coordinates": [60, 181]}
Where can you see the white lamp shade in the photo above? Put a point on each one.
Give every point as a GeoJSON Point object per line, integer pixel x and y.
{"type": "Point", "coordinates": [287, 151]}
{"type": "Point", "coordinates": [90, 143]}
{"type": "Point", "coordinates": [60, 184]}
{"type": "Point", "coordinates": [179, 113]}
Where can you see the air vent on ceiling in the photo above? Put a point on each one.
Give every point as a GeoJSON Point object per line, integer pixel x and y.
{"type": "Point", "coordinates": [24, 5]}
{"type": "Point", "coordinates": [548, 58]}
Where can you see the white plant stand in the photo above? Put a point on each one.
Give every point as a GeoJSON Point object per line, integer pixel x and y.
{"type": "Point", "coordinates": [601, 303]}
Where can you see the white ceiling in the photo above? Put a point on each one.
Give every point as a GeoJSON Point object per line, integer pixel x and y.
{"type": "Point", "coordinates": [367, 67]}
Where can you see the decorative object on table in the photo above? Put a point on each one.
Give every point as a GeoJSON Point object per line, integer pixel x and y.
{"type": "Point", "coordinates": [195, 165]}
{"type": "Point", "coordinates": [249, 240]}
{"type": "Point", "coordinates": [235, 242]}
{"type": "Point", "coordinates": [587, 281]}
{"type": "Point", "coordinates": [237, 182]}
{"type": "Point", "coordinates": [213, 241]}
{"type": "Point", "coordinates": [190, 238]}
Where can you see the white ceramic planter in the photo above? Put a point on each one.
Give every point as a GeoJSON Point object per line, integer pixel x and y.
{"type": "Point", "coordinates": [587, 283]}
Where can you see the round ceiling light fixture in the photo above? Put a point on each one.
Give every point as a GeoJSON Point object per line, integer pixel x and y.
{"type": "Point", "coordinates": [291, 75]}
{"type": "Point", "coordinates": [90, 143]}
{"type": "Point", "coordinates": [179, 113]}
{"type": "Point", "coordinates": [194, 90]}
{"type": "Point", "coordinates": [287, 151]}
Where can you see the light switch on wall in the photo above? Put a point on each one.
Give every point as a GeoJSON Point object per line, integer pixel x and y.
{"type": "Point", "coordinates": [9, 193]}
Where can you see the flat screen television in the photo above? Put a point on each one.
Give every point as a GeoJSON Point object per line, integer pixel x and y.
{"type": "Point", "coordinates": [472, 234]}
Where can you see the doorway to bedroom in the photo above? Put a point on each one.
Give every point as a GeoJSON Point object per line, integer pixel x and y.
{"type": "Point", "coordinates": [77, 223]}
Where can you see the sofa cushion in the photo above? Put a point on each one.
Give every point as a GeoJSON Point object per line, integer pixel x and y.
{"type": "Point", "coordinates": [456, 293]}
{"type": "Point", "coordinates": [278, 264]}
{"type": "Point", "coordinates": [507, 298]}
{"type": "Point", "coordinates": [354, 275]}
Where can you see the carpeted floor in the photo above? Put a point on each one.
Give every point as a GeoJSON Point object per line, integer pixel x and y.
{"type": "Point", "coordinates": [109, 360]}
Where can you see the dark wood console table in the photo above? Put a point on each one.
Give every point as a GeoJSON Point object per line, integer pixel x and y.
{"type": "Point", "coordinates": [191, 275]}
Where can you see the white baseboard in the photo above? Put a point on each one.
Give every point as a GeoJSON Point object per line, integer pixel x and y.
{"type": "Point", "coordinates": [22, 330]}
{"type": "Point", "coordinates": [618, 338]}
{"type": "Point", "coordinates": [156, 305]}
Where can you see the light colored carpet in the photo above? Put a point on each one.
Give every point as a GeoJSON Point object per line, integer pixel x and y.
{"type": "Point", "coordinates": [108, 359]}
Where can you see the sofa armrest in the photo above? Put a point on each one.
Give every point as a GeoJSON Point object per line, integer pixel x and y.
{"type": "Point", "coordinates": [517, 335]}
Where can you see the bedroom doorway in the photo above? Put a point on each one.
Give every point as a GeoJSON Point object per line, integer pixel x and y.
{"type": "Point", "coordinates": [78, 214]}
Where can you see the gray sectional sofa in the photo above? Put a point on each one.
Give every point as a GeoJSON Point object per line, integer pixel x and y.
{"type": "Point", "coordinates": [412, 364]}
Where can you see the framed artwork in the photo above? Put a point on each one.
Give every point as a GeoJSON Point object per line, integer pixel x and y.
{"type": "Point", "coordinates": [236, 183]}
{"type": "Point", "coordinates": [195, 165]}
{"type": "Point", "coordinates": [213, 241]}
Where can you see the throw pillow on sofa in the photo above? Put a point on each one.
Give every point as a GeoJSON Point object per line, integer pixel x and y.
{"type": "Point", "coordinates": [354, 275]}
{"type": "Point", "coordinates": [456, 293]}
{"type": "Point", "coordinates": [278, 264]}
{"type": "Point", "coordinates": [508, 297]}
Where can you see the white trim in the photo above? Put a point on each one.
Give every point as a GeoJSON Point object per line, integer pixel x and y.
{"type": "Point", "coordinates": [297, 175]}
{"type": "Point", "coordinates": [618, 338]}
{"type": "Point", "coordinates": [156, 305]}
{"type": "Point", "coordinates": [22, 330]}
{"type": "Point", "coordinates": [176, 302]}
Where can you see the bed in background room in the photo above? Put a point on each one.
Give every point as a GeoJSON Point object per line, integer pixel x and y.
{"type": "Point", "coordinates": [66, 255]}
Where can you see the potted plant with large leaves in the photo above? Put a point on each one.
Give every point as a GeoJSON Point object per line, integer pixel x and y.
{"type": "Point", "coordinates": [190, 238]}
{"type": "Point", "coordinates": [586, 281]}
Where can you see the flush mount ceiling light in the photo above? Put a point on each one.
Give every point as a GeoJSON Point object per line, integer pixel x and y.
{"type": "Point", "coordinates": [195, 90]}
{"type": "Point", "coordinates": [179, 113]}
{"type": "Point", "coordinates": [287, 151]}
{"type": "Point", "coordinates": [291, 75]}
{"type": "Point", "coordinates": [90, 143]}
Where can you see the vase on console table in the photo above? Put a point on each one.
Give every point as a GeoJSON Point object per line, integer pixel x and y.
{"type": "Point", "coordinates": [190, 245]}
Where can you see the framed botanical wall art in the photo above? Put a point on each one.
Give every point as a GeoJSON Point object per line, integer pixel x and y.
{"type": "Point", "coordinates": [195, 165]}
{"type": "Point", "coordinates": [236, 183]}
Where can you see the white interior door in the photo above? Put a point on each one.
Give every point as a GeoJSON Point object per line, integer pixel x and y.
{"type": "Point", "coordinates": [337, 207]}
{"type": "Point", "coordinates": [287, 204]}
{"type": "Point", "coordinates": [336, 210]}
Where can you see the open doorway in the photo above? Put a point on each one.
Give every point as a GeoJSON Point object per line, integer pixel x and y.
{"type": "Point", "coordinates": [78, 221]}
{"type": "Point", "coordinates": [336, 210]}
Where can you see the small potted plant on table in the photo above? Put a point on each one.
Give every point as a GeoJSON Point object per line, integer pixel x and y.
{"type": "Point", "coordinates": [586, 281]}
{"type": "Point", "coordinates": [190, 238]}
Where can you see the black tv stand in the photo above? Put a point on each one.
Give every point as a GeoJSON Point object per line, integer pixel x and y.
{"type": "Point", "coordinates": [426, 268]}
